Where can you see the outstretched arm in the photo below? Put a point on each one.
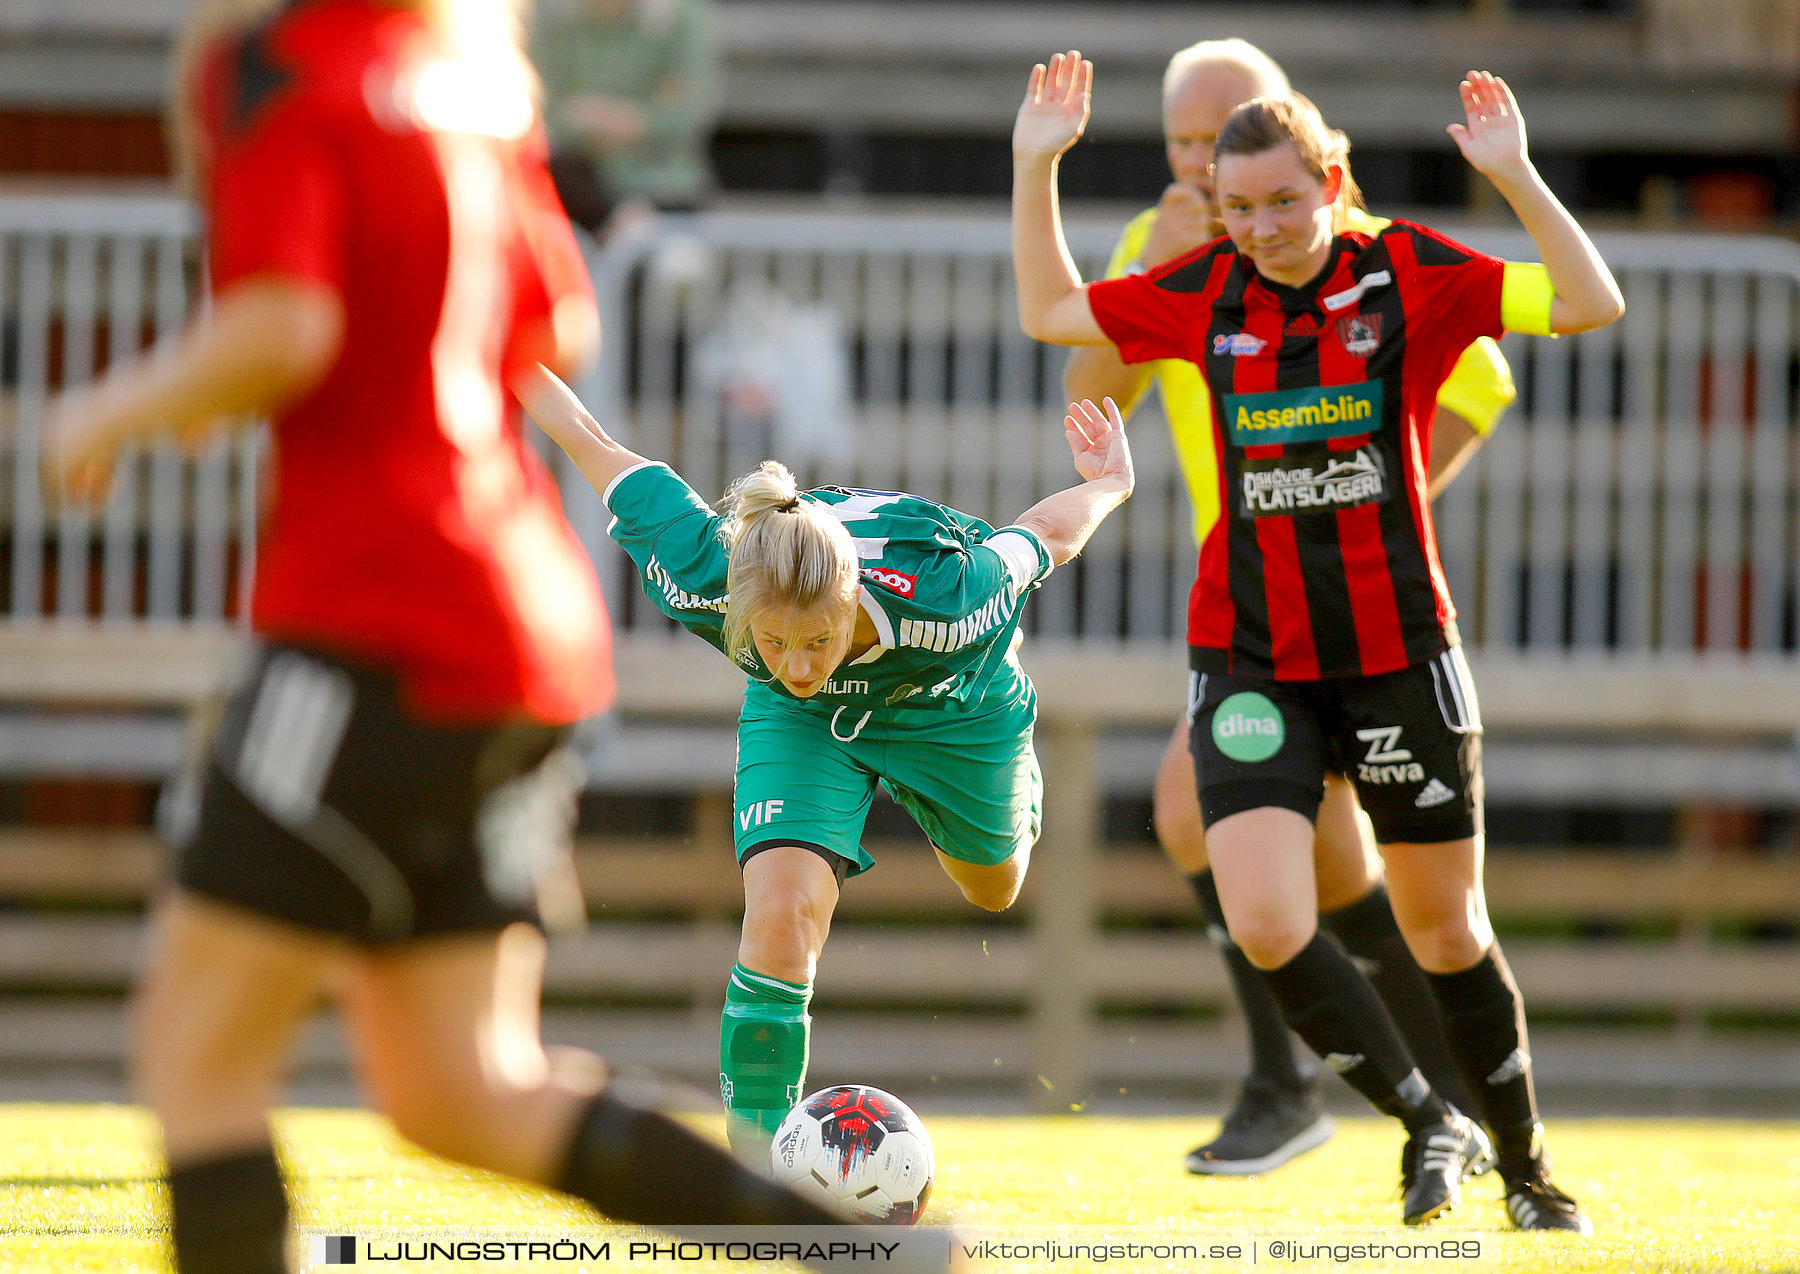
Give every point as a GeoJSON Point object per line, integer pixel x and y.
{"type": "Point", "coordinates": [1493, 141]}
{"type": "Point", "coordinates": [560, 414]}
{"type": "Point", "coordinates": [1454, 442]}
{"type": "Point", "coordinates": [263, 343]}
{"type": "Point", "coordinates": [1097, 372]}
{"type": "Point", "coordinates": [1052, 302]}
{"type": "Point", "coordinates": [1064, 521]}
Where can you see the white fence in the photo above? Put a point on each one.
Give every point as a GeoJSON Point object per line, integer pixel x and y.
{"type": "Point", "coordinates": [1642, 499]}
{"type": "Point", "coordinates": [1638, 510]}
{"type": "Point", "coordinates": [84, 282]}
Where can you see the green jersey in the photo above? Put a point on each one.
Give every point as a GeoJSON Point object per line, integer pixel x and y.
{"type": "Point", "coordinates": [943, 590]}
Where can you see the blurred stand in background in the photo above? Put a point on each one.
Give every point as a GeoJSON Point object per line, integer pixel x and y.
{"type": "Point", "coordinates": [910, 99]}
{"type": "Point", "coordinates": [1724, 35]}
{"type": "Point", "coordinates": [632, 94]}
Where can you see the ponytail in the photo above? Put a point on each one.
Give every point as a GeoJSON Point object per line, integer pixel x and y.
{"type": "Point", "coordinates": [785, 552]}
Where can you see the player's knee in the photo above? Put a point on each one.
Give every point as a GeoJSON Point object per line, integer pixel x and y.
{"type": "Point", "coordinates": [176, 1078]}
{"type": "Point", "coordinates": [445, 1118]}
{"type": "Point", "coordinates": [784, 929]}
{"type": "Point", "coordinates": [992, 894]}
{"type": "Point", "coordinates": [991, 886]}
{"type": "Point", "coordinates": [1268, 942]}
{"type": "Point", "coordinates": [1180, 832]}
{"type": "Point", "coordinates": [1449, 944]}
{"type": "Point", "coordinates": [162, 1086]}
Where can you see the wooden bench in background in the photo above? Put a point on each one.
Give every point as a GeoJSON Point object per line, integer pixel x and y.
{"type": "Point", "coordinates": [1103, 938]}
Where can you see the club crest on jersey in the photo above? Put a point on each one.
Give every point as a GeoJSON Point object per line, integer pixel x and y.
{"type": "Point", "coordinates": [1238, 344]}
{"type": "Point", "coordinates": [1360, 334]}
{"type": "Point", "coordinates": [899, 581]}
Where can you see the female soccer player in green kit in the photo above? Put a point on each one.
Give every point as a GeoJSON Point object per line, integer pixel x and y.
{"type": "Point", "coordinates": [878, 632]}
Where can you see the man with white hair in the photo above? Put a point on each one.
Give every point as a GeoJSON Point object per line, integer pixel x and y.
{"type": "Point", "coordinates": [1277, 1114]}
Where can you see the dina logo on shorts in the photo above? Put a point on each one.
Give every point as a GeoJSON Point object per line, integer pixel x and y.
{"type": "Point", "coordinates": [1248, 727]}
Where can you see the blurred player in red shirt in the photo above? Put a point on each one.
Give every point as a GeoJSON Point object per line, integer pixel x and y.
{"type": "Point", "coordinates": [386, 805]}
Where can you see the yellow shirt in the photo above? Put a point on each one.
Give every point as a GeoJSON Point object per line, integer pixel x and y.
{"type": "Point", "coordinates": [1479, 388]}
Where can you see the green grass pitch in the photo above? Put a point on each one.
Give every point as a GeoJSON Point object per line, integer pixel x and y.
{"type": "Point", "coordinates": [78, 1191]}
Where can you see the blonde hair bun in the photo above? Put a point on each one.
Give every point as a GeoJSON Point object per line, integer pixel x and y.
{"type": "Point", "coordinates": [785, 552]}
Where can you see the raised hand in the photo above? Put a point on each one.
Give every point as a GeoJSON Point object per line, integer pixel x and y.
{"type": "Point", "coordinates": [1097, 439]}
{"type": "Point", "coordinates": [1055, 110]}
{"type": "Point", "coordinates": [1493, 139]}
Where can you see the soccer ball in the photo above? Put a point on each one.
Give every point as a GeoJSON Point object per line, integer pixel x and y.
{"type": "Point", "coordinates": [859, 1151]}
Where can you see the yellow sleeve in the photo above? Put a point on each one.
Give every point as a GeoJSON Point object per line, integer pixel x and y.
{"type": "Point", "coordinates": [1188, 406]}
{"type": "Point", "coordinates": [1480, 386]}
{"type": "Point", "coordinates": [1184, 395]}
{"type": "Point", "coordinates": [1131, 242]}
{"type": "Point", "coordinates": [1363, 221]}
{"type": "Point", "coordinates": [1525, 296]}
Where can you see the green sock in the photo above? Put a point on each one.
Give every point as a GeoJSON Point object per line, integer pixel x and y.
{"type": "Point", "coordinates": [763, 1038]}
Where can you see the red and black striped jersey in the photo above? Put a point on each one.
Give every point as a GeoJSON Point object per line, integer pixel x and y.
{"type": "Point", "coordinates": [1325, 563]}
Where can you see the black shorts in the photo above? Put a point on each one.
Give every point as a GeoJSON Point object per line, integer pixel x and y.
{"type": "Point", "coordinates": [325, 803]}
{"type": "Point", "coordinates": [1410, 742]}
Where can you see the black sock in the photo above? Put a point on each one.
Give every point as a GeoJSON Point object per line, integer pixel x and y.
{"type": "Point", "coordinates": [637, 1165]}
{"type": "Point", "coordinates": [229, 1216]}
{"type": "Point", "coordinates": [1485, 1020]}
{"type": "Point", "coordinates": [1367, 931]}
{"type": "Point", "coordinates": [1271, 1051]}
{"type": "Point", "coordinates": [1334, 1009]}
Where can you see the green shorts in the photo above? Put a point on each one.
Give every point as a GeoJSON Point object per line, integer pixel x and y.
{"type": "Point", "coordinates": [806, 777]}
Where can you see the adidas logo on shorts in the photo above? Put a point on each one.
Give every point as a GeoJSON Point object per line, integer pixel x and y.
{"type": "Point", "coordinates": [1433, 793]}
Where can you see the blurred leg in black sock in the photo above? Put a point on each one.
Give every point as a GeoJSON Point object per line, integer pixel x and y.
{"type": "Point", "coordinates": [1367, 930]}
{"type": "Point", "coordinates": [229, 1215]}
{"type": "Point", "coordinates": [1333, 1008]}
{"type": "Point", "coordinates": [638, 1165]}
{"type": "Point", "coordinates": [1271, 1050]}
{"type": "Point", "coordinates": [1484, 1017]}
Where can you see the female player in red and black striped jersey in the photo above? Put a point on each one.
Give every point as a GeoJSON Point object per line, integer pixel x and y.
{"type": "Point", "coordinates": [1320, 630]}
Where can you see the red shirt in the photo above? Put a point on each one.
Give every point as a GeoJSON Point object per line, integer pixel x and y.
{"type": "Point", "coordinates": [1324, 562]}
{"type": "Point", "coordinates": [411, 526]}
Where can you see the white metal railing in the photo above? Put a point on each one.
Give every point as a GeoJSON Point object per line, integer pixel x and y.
{"type": "Point", "coordinates": [84, 282]}
{"type": "Point", "coordinates": [1642, 499]}
{"type": "Point", "coordinates": [881, 352]}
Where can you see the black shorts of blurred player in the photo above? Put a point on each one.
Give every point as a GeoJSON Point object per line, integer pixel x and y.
{"type": "Point", "coordinates": [334, 844]}
{"type": "Point", "coordinates": [326, 804]}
